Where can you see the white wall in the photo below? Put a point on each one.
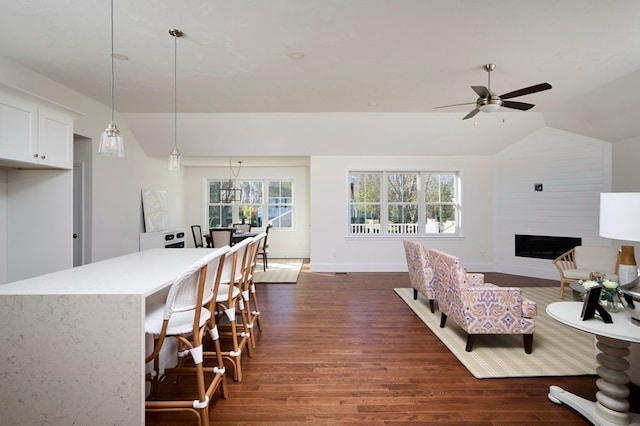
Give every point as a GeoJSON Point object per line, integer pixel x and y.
{"type": "Point", "coordinates": [573, 169]}
{"type": "Point", "coordinates": [292, 243]}
{"type": "Point", "coordinates": [332, 250]}
{"type": "Point", "coordinates": [116, 183]}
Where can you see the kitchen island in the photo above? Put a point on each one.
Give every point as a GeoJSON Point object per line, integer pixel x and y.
{"type": "Point", "coordinates": [72, 342]}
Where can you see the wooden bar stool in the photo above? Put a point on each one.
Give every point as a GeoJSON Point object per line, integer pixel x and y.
{"type": "Point", "coordinates": [184, 317]}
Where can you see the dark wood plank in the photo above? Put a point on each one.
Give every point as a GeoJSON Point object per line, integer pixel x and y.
{"type": "Point", "coordinates": [346, 348]}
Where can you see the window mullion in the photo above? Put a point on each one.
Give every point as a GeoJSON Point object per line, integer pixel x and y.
{"type": "Point", "coordinates": [384, 204]}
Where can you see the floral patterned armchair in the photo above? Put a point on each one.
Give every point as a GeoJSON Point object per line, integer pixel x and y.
{"type": "Point", "coordinates": [420, 272]}
{"type": "Point", "coordinates": [479, 307]}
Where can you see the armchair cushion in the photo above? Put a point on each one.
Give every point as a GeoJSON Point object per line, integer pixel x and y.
{"type": "Point", "coordinates": [599, 259]}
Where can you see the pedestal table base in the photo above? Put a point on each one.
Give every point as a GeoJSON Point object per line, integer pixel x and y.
{"type": "Point", "coordinates": [611, 406]}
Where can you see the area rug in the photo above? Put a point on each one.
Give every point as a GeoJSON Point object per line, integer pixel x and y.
{"type": "Point", "coordinates": [283, 271]}
{"type": "Point", "coordinates": [558, 350]}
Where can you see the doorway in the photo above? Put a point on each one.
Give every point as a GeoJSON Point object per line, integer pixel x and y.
{"type": "Point", "coordinates": [78, 215]}
{"type": "Point", "coordinates": [82, 156]}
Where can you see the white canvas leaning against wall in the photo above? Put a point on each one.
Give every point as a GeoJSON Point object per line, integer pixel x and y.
{"type": "Point", "coordinates": [155, 210]}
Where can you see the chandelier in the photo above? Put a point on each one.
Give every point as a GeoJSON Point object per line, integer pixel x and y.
{"type": "Point", "coordinates": [229, 193]}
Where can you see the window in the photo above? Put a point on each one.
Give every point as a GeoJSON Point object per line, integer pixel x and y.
{"type": "Point", "coordinates": [415, 203]}
{"type": "Point", "coordinates": [441, 203]}
{"type": "Point", "coordinates": [252, 204]}
{"type": "Point", "coordinates": [365, 203]}
{"type": "Point", "coordinates": [280, 204]}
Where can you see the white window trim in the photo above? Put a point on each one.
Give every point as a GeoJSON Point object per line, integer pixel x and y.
{"type": "Point", "coordinates": [265, 204]}
{"type": "Point", "coordinates": [384, 235]}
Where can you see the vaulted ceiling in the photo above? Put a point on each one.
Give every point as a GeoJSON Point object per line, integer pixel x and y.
{"type": "Point", "coordinates": [318, 56]}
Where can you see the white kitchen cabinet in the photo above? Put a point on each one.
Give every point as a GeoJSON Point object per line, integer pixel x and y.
{"type": "Point", "coordinates": [18, 130]}
{"type": "Point", "coordinates": [34, 136]}
{"type": "Point", "coordinates": [55, 139]}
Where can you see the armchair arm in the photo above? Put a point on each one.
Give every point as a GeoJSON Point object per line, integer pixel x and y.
{"type": "Point", "coordinates": [475, 279]}
{"type": "Point", "coordinates": [566, 260]}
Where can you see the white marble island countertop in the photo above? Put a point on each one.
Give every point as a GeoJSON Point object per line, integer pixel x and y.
{"type": "Point", "coordinates": [72, 343]}
{"type": "Point", "coordinates": [141, 273]}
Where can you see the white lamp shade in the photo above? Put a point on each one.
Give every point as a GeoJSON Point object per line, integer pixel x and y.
{"type": "Point", "coordinates": [619, 215]}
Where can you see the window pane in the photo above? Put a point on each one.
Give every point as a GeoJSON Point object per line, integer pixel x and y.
{"type": "Point", "coordinates": [432, 188]}
{"type": "Point", "coordinates": [220, 216]}
{"type": "Point", "coordinates": [214, 192]}
{"type": "Point", "coordinates": [440, 187]}
{"type": "Point", "coordinates": [402, 187]}
{"type": "Point", "coordinates": [365, 187]}
{"type": "Point", "coordinates": [403, 218]}
{"type": "Point", "coordinates": [280, 216]}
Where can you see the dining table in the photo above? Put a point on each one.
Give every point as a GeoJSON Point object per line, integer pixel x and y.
{"type": "Point", "coordinates": [236, 236]}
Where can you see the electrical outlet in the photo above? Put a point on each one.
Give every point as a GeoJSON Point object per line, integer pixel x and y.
{"type": "Point", "coordinates": [537, 187]}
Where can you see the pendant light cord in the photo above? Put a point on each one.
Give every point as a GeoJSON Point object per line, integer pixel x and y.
{"type": "Point", "coordinates": [175, 91]}
{"type": "Point", "coordinates": [112, 68]}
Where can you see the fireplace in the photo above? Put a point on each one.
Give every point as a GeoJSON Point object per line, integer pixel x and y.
{"type": "Point", "coordinates": [544, 246]}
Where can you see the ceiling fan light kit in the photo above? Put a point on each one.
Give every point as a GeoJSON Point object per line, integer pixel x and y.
{"type": "Point", "coordinates": [488, 101]}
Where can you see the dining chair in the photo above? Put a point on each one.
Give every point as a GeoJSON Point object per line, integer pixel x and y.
{"type": "Point", "coordinates": [264, 250]}
{"type": "Point", "coordinates": [184, 317]}
{"type": "Point", "coordinates": [244, 227]}
{"type": "Point", "coordinates": [221, 237]}
{"type": "Point", "coordinates": [196, 231]}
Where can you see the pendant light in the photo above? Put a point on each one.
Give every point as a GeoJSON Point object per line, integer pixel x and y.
{"type": "Point", "coordinates": [175, 158]}
{"type": "Point", "coordinates": [111, 142]}
{"type": "Point", "coordinates": [229, 193]}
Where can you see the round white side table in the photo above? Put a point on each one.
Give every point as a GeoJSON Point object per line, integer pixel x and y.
{"type": "Point", "coordinates": [611, 406]}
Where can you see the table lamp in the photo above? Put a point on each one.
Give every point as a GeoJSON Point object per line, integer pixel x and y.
{"type": "Point", "coordinates": [619, 220]}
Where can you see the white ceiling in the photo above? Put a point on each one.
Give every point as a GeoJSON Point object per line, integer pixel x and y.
{"type": "Point", "coordinates": [359, 55]}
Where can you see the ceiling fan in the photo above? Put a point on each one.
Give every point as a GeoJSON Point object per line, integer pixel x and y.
{"type": "Point", "coordinates": [489, 101]}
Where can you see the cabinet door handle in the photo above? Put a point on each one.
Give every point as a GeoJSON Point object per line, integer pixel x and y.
{"type": "Point", "coordinates": [43, 156]}
{"type": "Point", "coordinates": [35, 155]}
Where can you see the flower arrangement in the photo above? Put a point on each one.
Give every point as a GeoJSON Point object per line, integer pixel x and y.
{"type": "Point", "coordinates": [609, 292]}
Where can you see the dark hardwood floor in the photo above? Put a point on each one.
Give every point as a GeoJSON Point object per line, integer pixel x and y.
{"type": "Point", "coordinates": [344, 348]}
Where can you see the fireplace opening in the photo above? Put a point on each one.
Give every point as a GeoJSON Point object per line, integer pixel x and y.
{"type": "Point", "coordinates": [544, 246]}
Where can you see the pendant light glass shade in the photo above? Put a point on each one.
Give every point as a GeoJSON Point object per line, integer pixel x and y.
{"type": "Point", "coordinates": [175, 158]}
{"type": "Point", "coordinates": [111, 141]}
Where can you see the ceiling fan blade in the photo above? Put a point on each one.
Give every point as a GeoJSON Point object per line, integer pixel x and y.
{"type": "Point", "coordinates": [447, 106]}
{"type": "Point", "coordinates": [482, 91]}
{"type": "Point", "coordinates": [526, 91]}
{"type": "Point", "coordinates": [517, 105]}
{"type": "Point", "coordinates": [471, 114]}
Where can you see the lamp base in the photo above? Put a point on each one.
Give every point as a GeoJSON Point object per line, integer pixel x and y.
{"type": "Point", "coordinates": [627, 273]}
